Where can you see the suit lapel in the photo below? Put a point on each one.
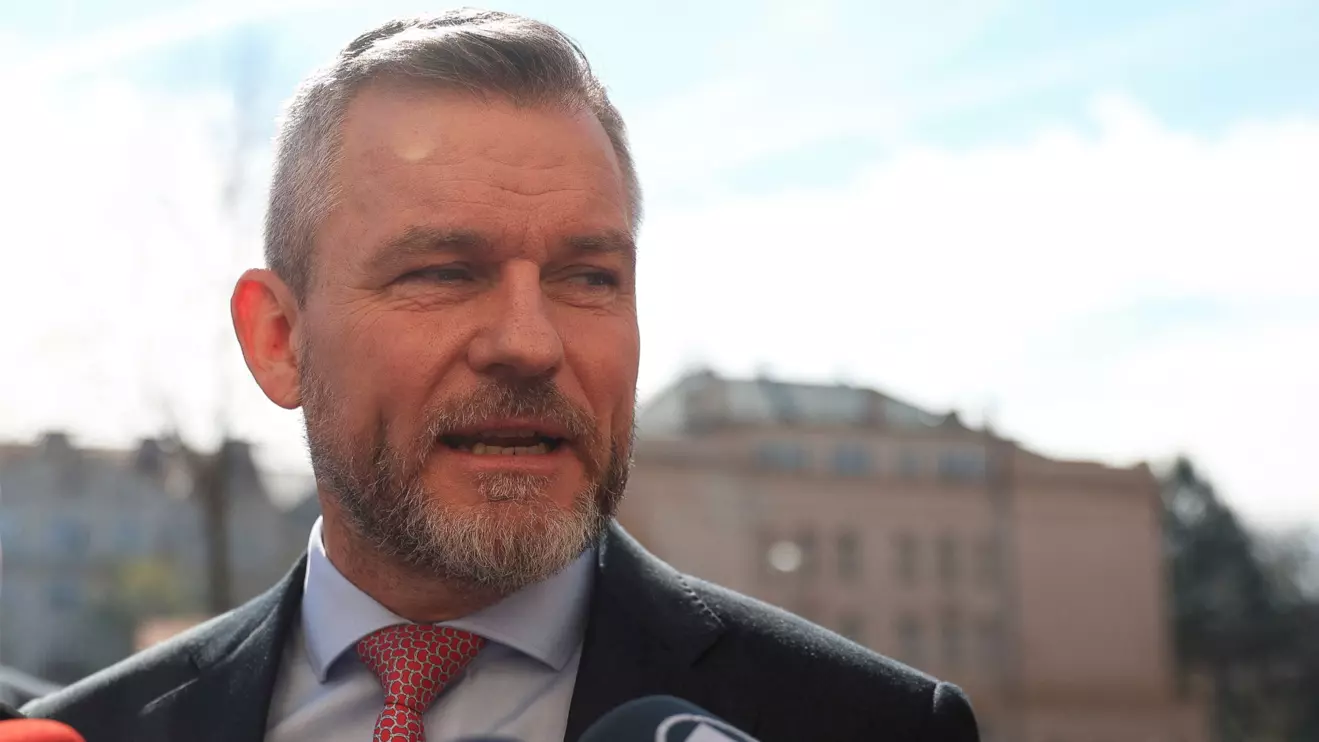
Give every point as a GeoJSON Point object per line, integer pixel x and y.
{"type": "Point", "coordinates": [646, 630]}
{"type": "Point", "coordinates": [645, 633]}
{"type": "Point", "coordinates": [237, 666]}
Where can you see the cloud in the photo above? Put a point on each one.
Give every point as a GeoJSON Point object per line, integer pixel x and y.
{"type": "Point", "coordinates": [958, 278]}
{"type": "Point", "coordinates": [820, 72]}
{"type": "Point", "coordinates": [1038, 276]}
{"type": "Point", "coordinates": [1124, 293]}
{"type": "Point", "coordinates": [94, 51]}
{"type": "Point", "coordinates": [119, 262]}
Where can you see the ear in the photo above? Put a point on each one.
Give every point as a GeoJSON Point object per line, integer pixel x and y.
{"type": "Point", "coordinates": [265, 316]}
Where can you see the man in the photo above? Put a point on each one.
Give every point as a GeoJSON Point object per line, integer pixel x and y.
{"type": "Point", "coordinates": [451, 301]}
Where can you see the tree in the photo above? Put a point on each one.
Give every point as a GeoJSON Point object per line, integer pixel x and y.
{"type": "Point", "coordinates": [210, 492]}
{"type": "Point", "coordinates": [1291, 560]}
{"type": "Point", "coordinates": [244, 70]}
{"type": "Point", "coordinates": [1239, 615]}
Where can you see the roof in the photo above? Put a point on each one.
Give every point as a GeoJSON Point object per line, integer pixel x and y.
{"type": "Point", "coordinates": [704, 400]}
{"type": "Point", "coordinates": [153, 459]}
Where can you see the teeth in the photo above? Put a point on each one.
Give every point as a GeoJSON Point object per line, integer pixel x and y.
{"type": "Point", "coordinates": [485, 449]}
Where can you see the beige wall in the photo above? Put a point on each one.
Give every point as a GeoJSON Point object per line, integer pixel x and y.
{"type": "Point", "coordinates": [1091, 591]}
{"type": "Point", "coordinates": [1164, 723]}
{"type": "Point", "coordinates": [1083, 585]}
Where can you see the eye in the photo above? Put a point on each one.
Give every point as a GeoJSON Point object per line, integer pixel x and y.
{"type": "Point", "coordinates": [595, 279]}
{"type": "Point", "coordinates": [440, 274]}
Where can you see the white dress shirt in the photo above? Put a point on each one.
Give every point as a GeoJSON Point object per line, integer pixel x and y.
{"type": "Point", "coordinates": [520, 685]}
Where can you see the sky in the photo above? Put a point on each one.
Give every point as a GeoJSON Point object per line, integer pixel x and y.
{"type": "Point", "coordinates": [1093, 223]}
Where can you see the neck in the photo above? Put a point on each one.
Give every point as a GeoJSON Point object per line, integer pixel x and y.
{"type": "Point", "coordinates": [406, 591]}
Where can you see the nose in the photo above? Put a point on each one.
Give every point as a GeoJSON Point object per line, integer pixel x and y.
{"type": "Point", "coordinates": [519, 339]}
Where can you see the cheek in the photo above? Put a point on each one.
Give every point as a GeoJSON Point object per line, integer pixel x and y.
{"type": "Point", "coordinates": [604, 359]}
{"type": "Point", "coordinates": [384, 370]}
{"type": "Point", "coordinates": [403, 358]}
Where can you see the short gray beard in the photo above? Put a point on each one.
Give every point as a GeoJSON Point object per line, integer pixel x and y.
{"type": "Point", "coordinates": [514, 538]}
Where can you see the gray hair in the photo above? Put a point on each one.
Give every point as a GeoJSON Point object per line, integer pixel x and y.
{"type": "Point", "coordinates": [483, 52]}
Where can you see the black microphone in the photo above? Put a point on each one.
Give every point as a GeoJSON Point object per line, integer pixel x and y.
{"type": "Point", "coordinates": [662, 719]}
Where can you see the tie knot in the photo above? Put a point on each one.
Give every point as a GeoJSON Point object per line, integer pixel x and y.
{"type": "Point", "coordinates": [416, 661]}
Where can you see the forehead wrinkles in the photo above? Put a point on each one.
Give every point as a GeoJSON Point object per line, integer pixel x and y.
{"type": "Point", "coordinates": [524, 192]}
{"type": "Point", "coordinates": [480, 178]}
{"type": "Point", "coordinates": [389, 128]}
{"type": "Point", "coordinates": [506, 202]}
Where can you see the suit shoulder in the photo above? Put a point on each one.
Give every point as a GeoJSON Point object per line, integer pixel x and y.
{"type": "Point", "coordinates": [781, 638]}
{"type": "Point", "coordinates": [125, 688]}
{"type": "Point", "coordinates": [795, 665]}
{"type": "Point", "coordinates": [130, 684]}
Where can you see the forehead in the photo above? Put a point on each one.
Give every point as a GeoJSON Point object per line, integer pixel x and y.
{"type": "Point", "coordinates": [414, 155]}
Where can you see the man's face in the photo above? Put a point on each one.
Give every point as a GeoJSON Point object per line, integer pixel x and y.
{"type": "Point", "coordinates": [469, 341]}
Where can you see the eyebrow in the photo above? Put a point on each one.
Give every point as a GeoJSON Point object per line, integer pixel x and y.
{"type": "Point", "coordinates": [423, 241]}
{"type": "Point", "coordinates": [420, 241]}
{"type": "Point", "coordinates": [607, 242]}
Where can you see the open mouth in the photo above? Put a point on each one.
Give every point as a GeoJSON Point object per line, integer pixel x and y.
{"type": "Point", "coordinates": [501, 443]}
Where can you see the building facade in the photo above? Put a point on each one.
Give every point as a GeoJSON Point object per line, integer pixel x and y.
{"type": "Point", "coordinates": [1037, 585]}
{"type": "Point", "coordinates": [95, 543]}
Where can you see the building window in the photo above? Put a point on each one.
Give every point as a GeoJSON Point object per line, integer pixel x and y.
{"type": "Point", "coordinates": [781, 456]}
{"type": "Point", "coordinates": [991, 648]}
{"type": "Point", "coordinates": [910, 465]}
{"type": "Point", "coordinates": [967, 465]}
{"type": "Point", "coordinates": [947, 557]}
{"type": "Point", "coordinates": [849, 556]}
{"type": "Point", "coordinates": [911, 641]}
{"type": "Point", "coordinates": [950, 632]}
{"type": "Point", "coordinates": [852, 461]}
{"type": "Point", "coordinates": [809, 557]}
{"type": "Point", "coordinates": [988, 562]}
{"type": "Point", "coordinates": [11, 532]}
{"type": "Point", "coordinates": [63, 596]}
{"type": "Point", "coordinates": [906, 555]}
{"type": "Point", "coordinates": [69, 537]}
{"type": "Point", "coordinates": [129, 538]}
{"type": "Point", "coordinates": [852, 626]}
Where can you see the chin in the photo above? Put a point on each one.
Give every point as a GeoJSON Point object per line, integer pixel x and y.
{"type": "Point", "coordinates": [505, 544]}
{"type": "Point", "coordinates": [500, 487]}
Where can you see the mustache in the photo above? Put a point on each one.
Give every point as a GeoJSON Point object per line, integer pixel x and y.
{"type": "Point", "coordinates": [534, 398]}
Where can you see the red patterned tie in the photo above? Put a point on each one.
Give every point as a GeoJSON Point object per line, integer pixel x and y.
{"type": "Point", "coordinates": [414, 663]}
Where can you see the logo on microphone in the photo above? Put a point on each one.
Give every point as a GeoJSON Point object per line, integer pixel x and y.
{"type": "Point", "coordinates": [698, 728]}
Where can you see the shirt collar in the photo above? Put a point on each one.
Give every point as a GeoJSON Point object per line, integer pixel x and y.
{"type": "Point", "coordinates": [545, 620]}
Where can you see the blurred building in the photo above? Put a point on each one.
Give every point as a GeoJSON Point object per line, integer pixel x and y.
{"type": "Point", "coordinates": [17, 688]}
{"type": "Point", "coordinates": [97, 543]}
{"type": "Point", "coordinates": [1035, 584]}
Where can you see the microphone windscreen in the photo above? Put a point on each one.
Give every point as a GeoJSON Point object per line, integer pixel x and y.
{"type": "Point", "coordinates": [37, 730]}
{"type": "Point", "coordinates": [662, 719]}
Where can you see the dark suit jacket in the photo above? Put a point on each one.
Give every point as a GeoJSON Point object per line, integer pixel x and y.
{"type": "Point", "coordinates": [651, 631]}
